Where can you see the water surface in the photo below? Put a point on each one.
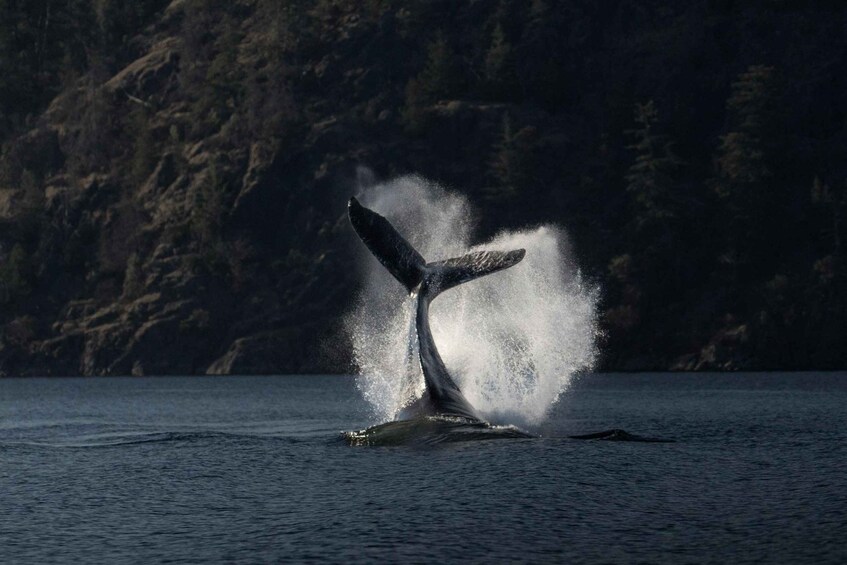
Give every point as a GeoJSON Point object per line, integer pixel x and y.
{"type": "Point", "coordinates": [195, 469]}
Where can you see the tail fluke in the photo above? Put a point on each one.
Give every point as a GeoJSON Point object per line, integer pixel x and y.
{"type": "Point", "coordinates": [387, 245]}
{"type": "Point", "coordinates": [410, 268]}
{"type": "Point", "coordinates": [447, 274]}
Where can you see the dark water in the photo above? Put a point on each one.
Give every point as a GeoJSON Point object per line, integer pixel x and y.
{"type": "Point", "coordinates": [252, 470]}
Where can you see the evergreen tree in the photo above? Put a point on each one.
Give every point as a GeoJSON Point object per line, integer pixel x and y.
{"type": "Point", "coordinates": [439, 79]}
{"type": "Point", "coordinates": [498, 69]}
{"type": "Point", "coordinates": [653, 185]}
{"type": "Point", "coordinates": [207, 215]}
{"type": "Point", "coordinates": [133, 284]}
{"type": "Point", "coordinates": [42, 43]}
{"type": "Point", "coordinates": [650, 178]}
{"type": "Point", "coordinates": [15, 274]}
{"type": "Point", "coordinates": [513, 164]}
{"type": "Point", "coordinates": [538, 10]}
{"type": "Point", "coordinates": [745, 170]}
{"type": "Point", "coordinates": [120, 20]}
{"type": "Point", "coordinates": [832, 205]}
{"type": "Point", "coordinates": [144, 154]}
{"type": "Point", "coordinates": [825, 308]}
{"type": "Point", "coordinates": [15, 66]}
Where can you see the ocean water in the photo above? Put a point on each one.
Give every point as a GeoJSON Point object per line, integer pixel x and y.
{"type": "Point", "coordinates": [189, 470]}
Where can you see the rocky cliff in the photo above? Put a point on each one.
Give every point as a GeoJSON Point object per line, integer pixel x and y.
{"type": "Point", "coordinates": [178, 207]}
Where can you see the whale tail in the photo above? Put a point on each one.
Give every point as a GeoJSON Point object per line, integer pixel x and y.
{"type": "Point", "coordinates": [410, 268]}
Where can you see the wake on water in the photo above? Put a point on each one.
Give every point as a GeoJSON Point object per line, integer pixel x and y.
{"type": "Point", "coordinates": [512, 341]}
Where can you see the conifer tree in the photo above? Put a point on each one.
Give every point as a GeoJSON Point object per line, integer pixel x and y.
{"type": "Point", "coordinates": [207, 214]}
{"type": "Point", "coordinates": [743, 156]}
{"type": "Point", "coordinates": [833, 204]}
{"type": "Point", "coordinates": [498, 69]}
{"type": "Point", "coordinates": [14, 275]}
{"type": "Point", "coordinates": [745, 168]}
{"type": "Point", "coordinates": [650, 178]}
{"type": "Point", "coordinates": [41, 43]}
{"type": "Point", "coordinates": [439, 79]}
{"type": "Point", "coordinates": [145, 154]}
{"type": "Point", "coordinates": [513, 164]}
{"type": "Point", "coordinates": [121, 19]}
{"type": "Point", "coordinates": [133, 283]}
{"type": "Point", "coordinates": [652, 183]}
{"type": "Point", "coordinates": [538, 10]}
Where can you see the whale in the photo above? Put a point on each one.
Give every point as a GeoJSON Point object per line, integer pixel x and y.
{"type": "Point", "coordinates": [424, 281]}
{"type": "Point", "coordinates": [441, 413]}
{"type": "Point", "coordinates": [621, 435]}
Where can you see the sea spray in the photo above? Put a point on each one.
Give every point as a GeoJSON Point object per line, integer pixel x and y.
{"type": "Point", "coordinates": [512, 340]}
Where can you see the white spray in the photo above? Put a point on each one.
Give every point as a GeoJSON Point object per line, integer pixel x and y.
{"type": "Point", "coordinates": [512, 340]}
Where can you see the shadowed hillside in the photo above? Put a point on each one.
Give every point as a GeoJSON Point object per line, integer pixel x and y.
{"type": "Point", "coordinates": [174, 175]}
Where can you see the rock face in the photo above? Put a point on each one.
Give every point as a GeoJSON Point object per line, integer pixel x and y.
{"type": "Point", "coordinates": [151, 74]}
{"type": "Point", "coordinates": [253, 355]}
{"type": "Point", "coordinates": [160, 242]}
{"type": "Point", "coordinates": [178, 206]}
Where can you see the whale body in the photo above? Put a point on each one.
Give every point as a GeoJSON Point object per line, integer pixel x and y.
{"type": "Point", "coordinates": [442, 413]}
{"type": "Point", "coordinates": [424, 281]}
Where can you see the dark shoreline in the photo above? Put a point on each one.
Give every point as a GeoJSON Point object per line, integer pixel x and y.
{"type": "Point", "coordinates": [575, 377]}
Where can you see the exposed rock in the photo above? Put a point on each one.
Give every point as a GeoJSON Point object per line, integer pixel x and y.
{"type": "Point", "coordinates": [184, 211]}
{"type": "Point", "coordinates": [63, 353]}
{"type": "Point", "coordinates": [264, 353]}
{"type": "Point", "coordinates": [256, 187]}
{"type": "Point", "coordinates": [725, 351]}
{"type": "Point", "coordinates": [37, 149]}
{"type": "Point", "coordinates": [147, 76]}
{"type": "Point", "coordinates": [8, 201]}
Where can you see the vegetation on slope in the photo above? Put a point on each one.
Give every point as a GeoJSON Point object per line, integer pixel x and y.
{"type": "Point", "coordinates": [174, 174]}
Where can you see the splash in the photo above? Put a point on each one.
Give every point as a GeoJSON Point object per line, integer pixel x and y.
{"type": "Point", "coordinates": [512, 340]}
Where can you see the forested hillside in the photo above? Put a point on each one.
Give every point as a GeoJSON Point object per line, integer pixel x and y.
{"type": "Point", "coordinates": [174, 175]}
